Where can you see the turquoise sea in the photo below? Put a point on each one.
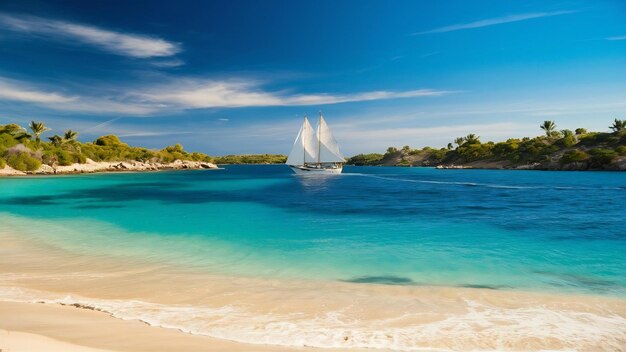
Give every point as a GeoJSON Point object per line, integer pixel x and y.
{"type": "Point", "coordinates": [543, 231]}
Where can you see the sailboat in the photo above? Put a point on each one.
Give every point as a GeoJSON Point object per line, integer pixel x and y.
{"type": "Point", "coordinates": [315, 152]}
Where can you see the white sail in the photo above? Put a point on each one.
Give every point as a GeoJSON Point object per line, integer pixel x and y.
{"type": "Point", "coordinates": [328, 150]}
{"type": "Point", "coordinates": [305, 146]}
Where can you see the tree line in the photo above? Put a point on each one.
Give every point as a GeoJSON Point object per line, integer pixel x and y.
{"type": "Point", "coordinates": [597, 149]}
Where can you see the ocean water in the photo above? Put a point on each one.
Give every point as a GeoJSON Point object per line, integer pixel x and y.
{"type": "Point", "coordinates": [435, 258]}
{"type": "Point", "coordinates": [530, 230]}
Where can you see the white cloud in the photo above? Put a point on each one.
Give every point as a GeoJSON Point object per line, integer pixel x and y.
{"type": "Point", "coordinates": [154, 134]}
{"type": "Point", "coordinates": [493, 22]}
{"type": "Point", "coordinates": [356, 139]}
{"type": "Point", "coordinates": [126, 44]}
{"type": "Point", "coordinates": [187, 94]}
{"type": "Point", "coordinates": [105, 105]}
{"type": "Point", "coordinates": [11, 90]}
{"type": "Point", "coordinates": [214, 94]}
{"type": "Point", "coordinates": [168, 63]}
{"type": "Point", "coordinates": [621, 37]}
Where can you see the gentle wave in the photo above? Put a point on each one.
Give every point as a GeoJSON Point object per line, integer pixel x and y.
{"type": "Point", "coordinates": [487, 185]}
{"type": "Point", "coordinates": [484, 327]}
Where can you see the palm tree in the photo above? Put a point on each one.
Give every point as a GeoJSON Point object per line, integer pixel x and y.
{"type": "Point", "coordinates": [16, 131]}
{"type": "Point", "coordinates": [70, 138]}
{"type": "Point", "coordinates": [70, 135]}
{"type": "Point", "coordinates": [618, 125]}
{"type": "Point", "coordinates": [549, 127]}
{"type": "Point", "coordinates": [56, 140]}
{"type": "Point", "coordinates": [38, 128]}
{"type": "Point", "coordinates": [472, 139]}
{"type": "Point", "coordinates": [459, 141]}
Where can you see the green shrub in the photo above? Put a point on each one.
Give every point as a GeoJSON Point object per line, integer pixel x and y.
{"type": "Point", "coordinates": [621, 150]}
{"type": "Point", "coordinates": [601, 157]}
{"type": "Point", "coordinates": [23, 162]}
{"type": "Point", "coordinates": [2, 163]}
{"type": "Point", "coordinates": [365, 159]}
{"type": "Point", "coordinates": [64, 158]}
{"type": "Point", "coordinates": [437, 155]}
{"type": "Point", "coordinates": [79, 158]}
{"type": "Point", "coordinates": [568, 140]}
{"type": "Point", "coordinates": [109, 141]}
{"type": "Point", "coordinates": [573, 156]}
{"type": "Point", "coordinates": [7, 141]}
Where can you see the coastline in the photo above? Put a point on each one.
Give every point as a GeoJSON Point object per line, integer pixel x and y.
{"type": "Point", "coordinates": [101, 301]}
{"type": "Point", "coordinates": [55, 328]}
{"type": "Point", "coordinates": [110, 166]}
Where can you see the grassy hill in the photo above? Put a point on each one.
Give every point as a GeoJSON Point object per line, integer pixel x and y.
{"type": "Point", "coordinates": [555, 150]}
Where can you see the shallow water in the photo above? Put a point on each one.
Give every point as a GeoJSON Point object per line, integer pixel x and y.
{"type": "Point", "coordinates": [557, 231]}
{"type": "Point", "coordinates": [401, 258]}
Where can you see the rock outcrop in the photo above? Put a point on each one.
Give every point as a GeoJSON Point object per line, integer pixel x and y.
{"type": "Point", "coordinates": [91, 166]}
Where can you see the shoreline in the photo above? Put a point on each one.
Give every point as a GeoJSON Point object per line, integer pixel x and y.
{"type": "Point", "coordinates": [56, 328]}
{"type": "Point", "coordinates": [124, 304]}
{"type": "Point", "coordinates": [91, 167]}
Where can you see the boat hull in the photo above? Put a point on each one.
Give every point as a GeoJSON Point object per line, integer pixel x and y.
{"type": "Point", "coordinates": [306, 170]}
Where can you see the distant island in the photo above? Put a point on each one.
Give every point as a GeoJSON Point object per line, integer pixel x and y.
{"type": "Point", "coordinates": [555, 150]}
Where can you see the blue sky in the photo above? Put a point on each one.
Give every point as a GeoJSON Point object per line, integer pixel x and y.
{"type": "Point", "coordinates": [237, 76]}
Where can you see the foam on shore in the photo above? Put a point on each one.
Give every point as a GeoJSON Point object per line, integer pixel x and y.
{"type": "Point", "coordinates": [481, 326]}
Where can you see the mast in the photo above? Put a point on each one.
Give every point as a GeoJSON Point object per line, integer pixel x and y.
{"type": "Point", "coordinates": [319, 139]}
{"type": "Point", "coordinates": [304, 143]}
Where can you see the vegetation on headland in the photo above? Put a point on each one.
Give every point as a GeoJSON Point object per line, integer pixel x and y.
{"type": "Point", "coordinates": [26, 150]}
{"type": "Point", "coordinates": [251, 159]}
{"type": "Point", "coordinates": [555, 150]}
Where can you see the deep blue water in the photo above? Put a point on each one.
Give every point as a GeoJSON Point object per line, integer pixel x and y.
{"type": "Point", "coordinates": [531, 230]}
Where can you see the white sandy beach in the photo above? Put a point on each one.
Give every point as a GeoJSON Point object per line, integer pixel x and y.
{"type": "Point", "coordinates": [32, 327]}
{"type": "Point", "coordinates": [109, 166]}
{"type": "Point", "coordinates": [118, 304]}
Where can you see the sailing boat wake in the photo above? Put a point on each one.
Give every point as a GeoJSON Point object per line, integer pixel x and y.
{"type": "Point", "coordinates": [315, 152]}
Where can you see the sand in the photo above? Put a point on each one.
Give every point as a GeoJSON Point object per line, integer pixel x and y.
{"type": "Point", "coordinates": [52, 328]}
{"type": "Point", "coordinates": [91, 166]}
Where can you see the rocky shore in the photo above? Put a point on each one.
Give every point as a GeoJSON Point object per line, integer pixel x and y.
{"type": "Point", "coordinates": [554, 164]}
{"type": "Point", "coordinates": [91, 166]}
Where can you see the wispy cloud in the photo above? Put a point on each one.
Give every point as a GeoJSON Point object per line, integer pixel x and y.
{"type": "Point", "coordinates": [212, 94]}
{"type": "Point", "coordinates": [493, 21]}
{"type": "Point", "coordinates": [168, 63]}
{"type": "Point", "coordinates": [156, 134]}
{"type": "Point", "coordinates": [119, 43]}
{"type": "Point", "coordinates": [621, 37]}
{"type": "Point", "coordinates": [16, 91]}
{"type": "Point", "coordinates": [19, 91]}
{"type": "Point", "coordinates": [178, 95]}
{"type": "Point", "coordinates": [366, 139]}
{"type": "Point", "coordinates": [100, 125]}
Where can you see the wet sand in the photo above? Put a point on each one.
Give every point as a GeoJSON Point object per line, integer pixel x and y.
{"type": "Point", "coordinates": [54, 328]}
